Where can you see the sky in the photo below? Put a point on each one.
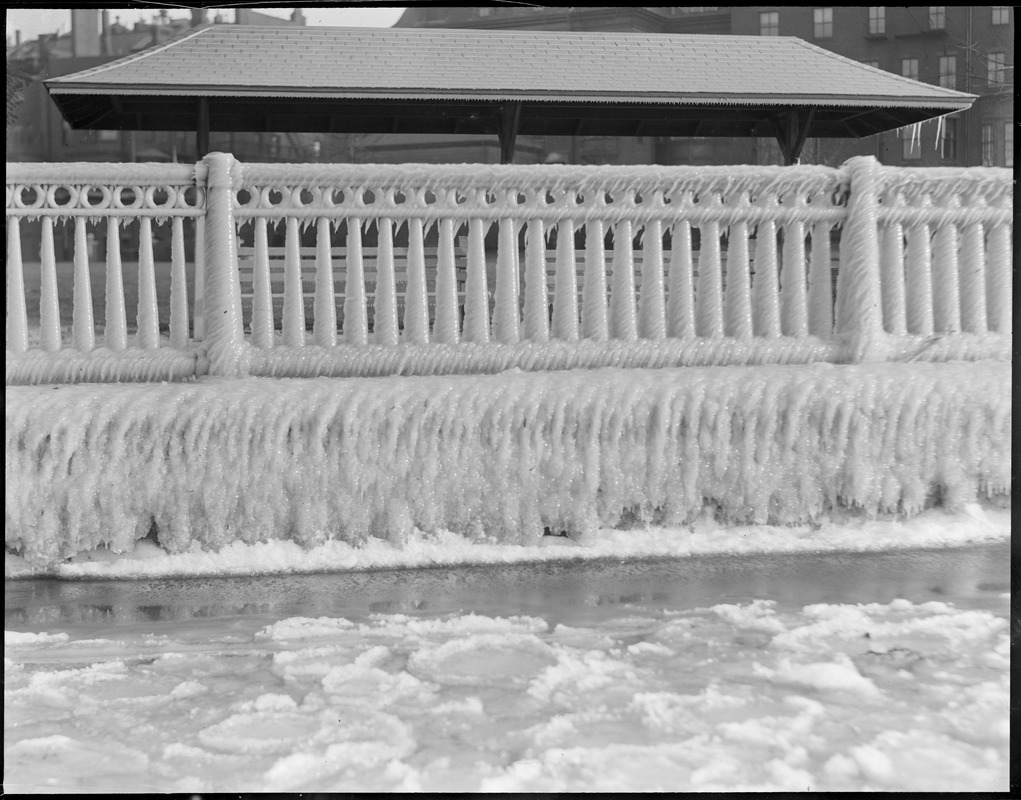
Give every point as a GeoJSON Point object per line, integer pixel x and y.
{"type": "Point", "coordinates": [33, 21]}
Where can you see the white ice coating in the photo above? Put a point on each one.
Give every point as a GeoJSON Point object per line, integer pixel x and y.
{"type": "Point", "coordinates": [920, 253]}
{"type": "Point", "coordinates": [498, 457]}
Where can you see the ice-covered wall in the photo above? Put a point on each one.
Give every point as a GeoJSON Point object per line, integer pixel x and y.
{"type": "Point", "coordinates": [497, 456]}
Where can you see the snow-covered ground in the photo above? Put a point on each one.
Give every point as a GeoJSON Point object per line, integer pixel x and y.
{"type": "Point", "coordinates": [649, 690]}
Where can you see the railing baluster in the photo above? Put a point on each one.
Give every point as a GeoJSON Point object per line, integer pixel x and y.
{"type": "Point", "coordinates": [918, 277]}
{"type": "Point", "coordinates": [507, 307]}
{"type": "Point", "coordinates": [199, 313]}
{"type": "Point", "coordinates": [445, 327]}
{"type": "Point", "coordinates": [999, 290]}
{"type": "Point", "coordinates": [384, 307]}
{"type": "Point", "coordinates": [794, 310]}
{"type": "Point", "coordinates": [148, 308]}
{"type": "Point", "coordinates": [178, 287]}
{"type": "Point", "coordinates": [17, 310]}
{"type": "Point", "coordinates": [262, 290]}
{"type": "Point", "coordinates": [49, 305]}
{"type": "Point", "coordinates": [623, 323]}
{"type": "Point", "coordinates": [83, 329]}
{"type": "Point", "coordinates": [891, 272]}
{"type": "Point", "coordinates": [476, 291]}
{"type": "Point", "coordinates": [356, 314]}
{"type": "Point", "coordinates": [820, 282]}
{"type": "Point", "coordinates": [651, 305]}
{"type": "Point", "coordinates": [115, 331]}
{"type": "Point", "coordinates": [765, 294]}
{"type": "Point", "coordinates": [681, 302]}
{"type": "Point", "coordinates": [324, 321]}
{"type": "Point", "coordinates": [294, 299]}
{"type": "Point", "coordinates": [738, 313]}
{"type": "Point", "coordinates": [973, 275]}
{"type": "Point", "coordinates": [536, 321]}
{"type": "Point", "coordinates": [565, 285]}
{"type": "Point", "coordinates": [416, 299]}
{"type": "Point", "coordinates": [946, 294]}
{"type": "Point", "coordinates": [709, 294]}
{"type": "Point", "coordinates": [593, 301]}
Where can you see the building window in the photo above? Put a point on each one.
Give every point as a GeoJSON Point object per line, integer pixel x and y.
{"type": "Point", "coordinates": [108, 136]}
{"type": "Point", "coordinates": [1001, 15]}
{"type": "Point", "coordinates": [877, 19]}
{"type": "Point", "coordinates": [1008, 144]}
{"type": "Point", "coordinates": [909, 68]}
{"type": "Point", "coordinates": [997, 68]}
{"type": "Point", "coordinates": [948, 72]}
{"type": "Point", "coordinates": [823, 18]}
{"type": "Point", "coordinates": [937, 18]}
{"type": "Point", "coordinates": [948, 139]}
{"type": "Point", "coordinates": [911, 143]}
{"type": "Point", "coordinates": [873, 64]}
{"type": "Point", "coordinates": [769, 23]}
{"type": "Point", "coordinates": [988, 147]}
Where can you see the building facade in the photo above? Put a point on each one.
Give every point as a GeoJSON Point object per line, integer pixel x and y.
{"type": "Point", "coordinates": [970, 49]}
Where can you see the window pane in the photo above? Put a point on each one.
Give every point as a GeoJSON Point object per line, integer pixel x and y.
{"type": "Point", "coordinates": [769, 23]}
{"type": "Point", "coordinates": [948, 72]}
{"type": "Point", "coordinates": [1008, 144]}
{"type": "Point", "coordinates": [909, 68]}
{"type": "Point", "coordinates": [997, 64]}
{"type": "Point", "coordinates": [937, 17]}
{"type": "Point", "coordinates": [823, 18]}
{"type": "Point", "coordinates": [1001, 15]}
{"type": "Point", "coordinates": [988, 156]}
{"type": "Point", "coordinates": [877, 19]}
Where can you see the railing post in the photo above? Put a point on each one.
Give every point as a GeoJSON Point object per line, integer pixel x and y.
{"type": "Point", "coordinates": [224, 336]}
{"type": "Point", "coordinates": [859, 293]}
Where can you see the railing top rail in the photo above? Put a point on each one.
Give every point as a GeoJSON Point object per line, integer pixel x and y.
{"type": "Point", "coordinates": [523, 178]}
{"type": "Point", "coordinates": [88, 173]}
{"type": "Point", "coordinates": [993, 184]}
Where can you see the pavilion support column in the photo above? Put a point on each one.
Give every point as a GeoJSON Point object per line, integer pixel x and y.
{"type": "Point", "coordinates": [510, 117]}
{"type": "Point", "coordinates": [202, 129]}
{"type": "Point", "coordinates": [792, 131]}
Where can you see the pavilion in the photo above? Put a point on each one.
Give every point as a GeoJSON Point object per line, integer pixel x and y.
{"type": "Point", "coordinates": [504, 83]}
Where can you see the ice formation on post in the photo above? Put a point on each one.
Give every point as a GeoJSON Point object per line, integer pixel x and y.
{"type": "Point", "coordinates": [499, 457]}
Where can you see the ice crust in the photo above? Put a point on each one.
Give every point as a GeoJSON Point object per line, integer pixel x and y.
{"type": "Point", "coordinates": [492, 458]}
{"type": "Point", "coordinates": [895, 696]}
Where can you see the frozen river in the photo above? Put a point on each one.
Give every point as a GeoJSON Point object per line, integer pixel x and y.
{"type": "Point", "coordinates": [806, 671]}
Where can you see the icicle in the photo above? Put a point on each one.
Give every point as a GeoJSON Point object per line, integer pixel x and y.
{"type": "Point", "coordinates": [262, 297]}
{"type": "Point", "coordinates": [623, 324]}
{"type": "Point", "coordinates": [148, 309]}
{"type": "Point", "coordinates": [178, 287]}
{"type": "Point", "coordinates": [115, 332]}
{"type": "Point", "coordinates": [324, 320]}
{"type": "Point", "coordinates": [651, 304]}
{"type": "Point", "coordinates": [83, 331]}
{"type": "Point", "coordinates": [385, 300]}
{"type": "Point", "coordinates": [565, 287]}
{"type": "Point", "coordinates": [445, 328]}
{"type": "Point", "coordinates": [17, 311]}
{"type": "Point", "coordinates": [294, 292]}
{"type": "Point", "coordinates": [536, 319]}
{"type": "Point", "coordinates": [593, 301]}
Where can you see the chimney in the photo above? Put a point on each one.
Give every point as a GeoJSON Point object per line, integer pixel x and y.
{"type": "Point", "coordinates": [198, 17]}
{"type": "Point", "coordinates": [297, 17]}
{"type": "Point", "coordinates": [106, 45]}
{"type": "Point", "coordinates": [17, 38]}
{"type": "Point", "coordinates": [85, 32]}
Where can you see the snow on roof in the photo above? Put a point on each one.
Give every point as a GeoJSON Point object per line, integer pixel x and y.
{"type": "Point", "coordinates": [239, 60]}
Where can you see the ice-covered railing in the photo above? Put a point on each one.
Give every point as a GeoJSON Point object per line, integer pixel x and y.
{"type": "Point", "coordinates": [87, 199]}
{"type": "Point", "coordinates": [535, 267]}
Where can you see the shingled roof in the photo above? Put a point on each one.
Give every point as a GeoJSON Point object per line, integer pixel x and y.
{"type": "Point", "coordinates": [451, 80]}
